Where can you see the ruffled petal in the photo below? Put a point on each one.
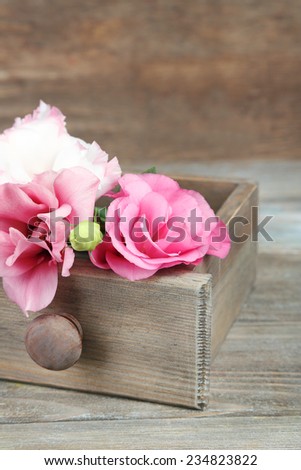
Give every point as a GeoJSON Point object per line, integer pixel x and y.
{"type": "Point", "coordinates": [17, 208]}
{"type": "Point", "coordinates": [219, 241]}
{"type": "Point", "coordinates": [78, 188]}
{"type": "Point", "coordinates": [98, 255]}
{"type": "Point", "coordinates": [31, 145]}
{"type": "Point", "coordinates": [35, 289]}
{"type": "Point", "coordinates": [111, 176]}
{"type": "Point", "coordinates": [124, 268]}
{"type": "Point", "coordinates": [69, 257]}
{"type": "Point", "coordinates": [7, 248]}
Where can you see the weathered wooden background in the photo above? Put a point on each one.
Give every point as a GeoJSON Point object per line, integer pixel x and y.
{"type": "Point", "coordinates": [159, 80]}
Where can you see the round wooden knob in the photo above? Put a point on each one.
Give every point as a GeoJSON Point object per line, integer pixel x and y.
{"type": "Point", "coordinates": [54, 341]}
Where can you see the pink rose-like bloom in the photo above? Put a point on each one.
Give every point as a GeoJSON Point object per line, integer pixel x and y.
{"type": "Point", "coordinates": [154, 224]}
{"type": "Point", "coordinates": [35, 223]}
{"type": "Point", "coordinates": [40, 142]}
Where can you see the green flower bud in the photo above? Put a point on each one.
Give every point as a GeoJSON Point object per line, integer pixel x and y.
{"type": "Point", "coordinates": [85, 236]}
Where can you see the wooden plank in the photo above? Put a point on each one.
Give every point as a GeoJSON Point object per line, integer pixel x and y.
{"type": "Point", "coordinates": [247, 433]}
{"type": "Point", "coordinates": [234, 276]}
{"type": "Point", "coordinates": [240, 264]}
{"type": "Point", "coordinates": [149, 340]}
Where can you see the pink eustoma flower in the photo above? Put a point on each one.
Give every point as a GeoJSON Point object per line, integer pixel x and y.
{"type": "Point", "coordinates": [154, 224]}
{"type": "Point", "coordinates": [40, 142]}
{"type": "Point", "coordinates": [35, 221]}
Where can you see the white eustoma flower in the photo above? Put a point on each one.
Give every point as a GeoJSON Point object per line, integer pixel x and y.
{"type": "Point", "coordinates": [40, 142]}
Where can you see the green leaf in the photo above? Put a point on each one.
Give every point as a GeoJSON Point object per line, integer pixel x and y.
{"type": "Point", "coordinates": [153, 169]}
{"type": "Point", "coordinates": [100, 213]}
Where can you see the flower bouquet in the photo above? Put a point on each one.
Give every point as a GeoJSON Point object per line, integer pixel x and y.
{"type": "Point", "coordinates": [61, 201]}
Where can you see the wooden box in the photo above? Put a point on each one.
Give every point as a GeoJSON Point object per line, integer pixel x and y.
{"type": "Point", "coordinates": [152, 339]}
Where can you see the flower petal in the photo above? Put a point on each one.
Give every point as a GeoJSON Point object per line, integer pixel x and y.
{"type": "Point", "coordinates": [158, 182]}
{"type": "Point", "coordinates": [75, 152]}
{"type": "Point", "coordinates": [17, 208]}
{"type": "Point", "coordinates": [58, 229]}
{"type": "Point", "coordinates": [41, 113]}
{"type": "Point", "coordinates": [98, 255]}
{"type": "Point", "coordinates": [112, 174]}
{"type": "Point", "coordinates": [69, 257]}
{"type": "Point", "coordinates": [105, 256]}
{"type": "Point", "coordinates": [125, 269]}
{"type": "Point", "coordinates": [134, 186]}
{"type": "Point", "coordinates": [7, 248]}
{"type": "Point", "coordinates": [30, 146]}
{"type": "Point", "coordinates": [40, 194]}
{"type": "Point", "coordinates": [156, 210]}
{"type": "Point", "coordinates": [219, 241]}
{"type": "Point", "coordinates": [35, 289]}
{"type": "Point", "coordinates": [46, 179]}
{"type": "Point", "coordinates": [25, 255]}
{"type": "Point", "coordinates": [78, 188]}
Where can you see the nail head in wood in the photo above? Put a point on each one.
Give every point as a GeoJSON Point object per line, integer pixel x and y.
{"type": "Point", "coordinates": [54, 341]}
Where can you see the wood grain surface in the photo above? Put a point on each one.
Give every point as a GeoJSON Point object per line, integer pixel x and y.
{"type": "Point", "coordinates": [163, 80]}
{"type": "Point", "coordinates": [256, 377]}
{"type": "Point", "coordinates": [150, 340]}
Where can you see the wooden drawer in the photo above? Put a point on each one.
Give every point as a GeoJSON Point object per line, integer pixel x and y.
{"type": "Point", "coordinates": [152, 339]}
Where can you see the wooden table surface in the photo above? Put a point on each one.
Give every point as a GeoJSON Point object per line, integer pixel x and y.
{"type": "Point", "coordinates": [256, 378]}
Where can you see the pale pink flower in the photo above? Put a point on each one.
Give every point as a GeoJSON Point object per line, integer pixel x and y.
{"type": "Point", "coordinates": [35, 221]}
{"type": "Point", "coordinates": [154, 224]}
{"type": "Point", "coordinates": [40, 142]}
